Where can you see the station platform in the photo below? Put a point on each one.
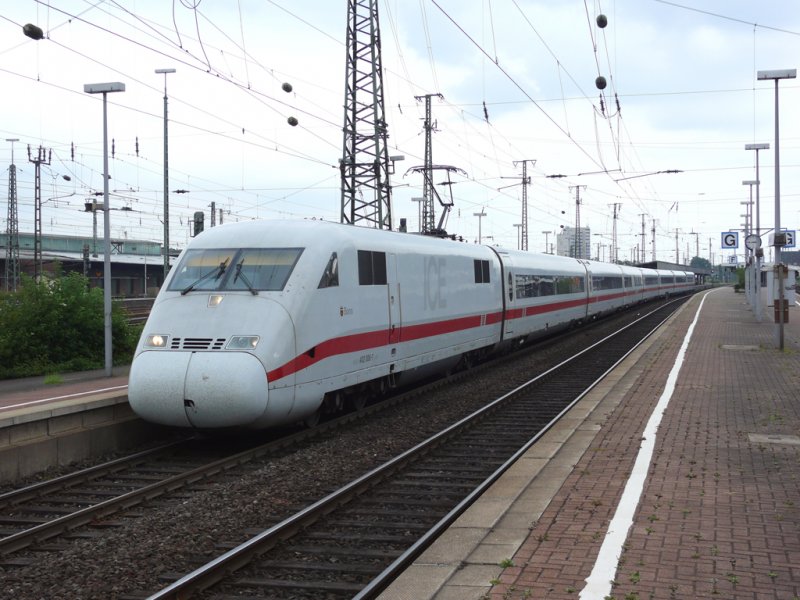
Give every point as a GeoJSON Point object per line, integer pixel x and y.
{"type": "Point", "coordinates": [49, 425]}
{"type": "Point", "coordinates": [678, 477]}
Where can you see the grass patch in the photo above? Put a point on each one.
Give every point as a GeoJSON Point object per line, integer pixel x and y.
{"type": "Point", "coordinates": [53, 379]}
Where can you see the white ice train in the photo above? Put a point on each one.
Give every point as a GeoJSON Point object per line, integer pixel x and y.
{"type": "Point", "coordinates": [263, 323]}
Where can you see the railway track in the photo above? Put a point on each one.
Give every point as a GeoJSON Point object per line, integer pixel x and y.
{"type": "Point", "coordinates": [356, 540]}
{"type": "Point", "coordinates": [33, 516]}
{"type": "Point", "coordinates": [136, 309]}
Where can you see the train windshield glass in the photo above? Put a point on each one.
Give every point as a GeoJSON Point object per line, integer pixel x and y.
{"type": "Point", "coordinates": [261, 269]}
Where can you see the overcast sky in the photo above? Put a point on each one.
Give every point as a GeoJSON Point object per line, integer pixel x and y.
{"type": "Point", "coordinates": [517, 79]}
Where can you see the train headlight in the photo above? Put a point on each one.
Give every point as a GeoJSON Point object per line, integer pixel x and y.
{"type": "Point", "coordinates": [156, 340]}
{"type": "Point", "coordinates": [243, 342]}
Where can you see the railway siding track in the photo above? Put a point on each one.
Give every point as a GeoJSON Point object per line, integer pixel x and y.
{"type": "Point", "coordinates": [136, 309]}
{"type": "Point", "coordinates": [356, 540]}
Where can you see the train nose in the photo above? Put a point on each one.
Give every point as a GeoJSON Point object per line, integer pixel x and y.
{"type": "Point", "coordinates": [198, 389]}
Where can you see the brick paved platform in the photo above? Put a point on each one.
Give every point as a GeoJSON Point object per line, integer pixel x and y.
{"type": "Point", "coordinates": [719, 515]}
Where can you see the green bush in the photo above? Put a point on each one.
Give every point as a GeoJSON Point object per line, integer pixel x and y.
{"type": "Point", "coordinates": [57, 325]}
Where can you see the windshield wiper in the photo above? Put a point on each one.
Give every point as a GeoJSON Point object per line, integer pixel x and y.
{"type": "Point", "coordinates": [244, 277]}
{"type": "Point", "coordinates": [218, 271]}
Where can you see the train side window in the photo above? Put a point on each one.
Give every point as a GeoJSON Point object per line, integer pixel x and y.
{"type": "Point", "coordinates": [481, 271]}
{"type": "Point", "coordinates": [547, 285]}
{"type": "Point", "coordinates": [330, 278]}
{"type": "Point", "coordinates": [607, 282]}
{"type": "Point", "coordinates": [371, 268]}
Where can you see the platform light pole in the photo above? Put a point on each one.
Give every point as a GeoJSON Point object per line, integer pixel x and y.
{"type": "Point", "coordinates": [749, 253]}
{"type": "Point", "coordinates": [105, 89]}
{"type": "Point", "coordinates": [759, 251]}
{"type": "Point", "coordinates": [166, 72]}
{"type": "Point", "coordinates": [779, 237]}
{"type": "Point", "coordinates": [755, 253]}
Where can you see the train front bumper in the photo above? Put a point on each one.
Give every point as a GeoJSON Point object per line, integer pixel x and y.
{"type": "Point", "coordinates": [205, 390]}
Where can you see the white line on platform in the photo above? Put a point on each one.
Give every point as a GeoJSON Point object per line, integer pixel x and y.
{"type": "Point", "coordinates": [598, 584]}
{"type": "Point", "coordinates": [54, 398]}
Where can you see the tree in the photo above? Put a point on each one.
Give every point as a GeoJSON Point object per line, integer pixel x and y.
{"type": "Point", "coordinates": [58, 325]}
{"type": "Point", "coordinates": [700, 263]}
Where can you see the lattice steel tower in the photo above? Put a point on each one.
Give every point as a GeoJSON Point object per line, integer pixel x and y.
{"type": "Point", "coordinates": [428, 222]}
{"type": "Point", "coordinates": [42, 158]}
{"type": "Point", "coordinates": [366, 192]}
{"type": "Point", "coordinates": [12, 230]}
{"type": "Point", "coordinates": [526, 181]}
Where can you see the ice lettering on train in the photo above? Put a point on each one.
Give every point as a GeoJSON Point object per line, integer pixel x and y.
{"type": "Point", "coordinates": [435, 282]}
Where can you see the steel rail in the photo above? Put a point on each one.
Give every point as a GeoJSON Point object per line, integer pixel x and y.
{"type": "Point", "coordinates": [42, 488]}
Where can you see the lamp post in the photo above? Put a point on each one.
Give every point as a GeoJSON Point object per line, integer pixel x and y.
{"type": "Point", "coordinates": [166, 72]}
{"type": "Point", "coordinates": [759, 251]}
{"type": "Point", "coordinates": [755, 251]}
{"type": "Point", "coordinates": [105, 89]}
{"type": "Point", "coordinates": [777, 75]}
{"type": "Point", "coordinates": [748, 251]}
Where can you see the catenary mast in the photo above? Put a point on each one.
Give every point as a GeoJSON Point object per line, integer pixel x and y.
{"type": "Point", "coordinates": [366, 192]}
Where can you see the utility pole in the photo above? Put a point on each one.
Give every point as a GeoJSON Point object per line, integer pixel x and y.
{"type": "Point", "coordinates": [517, 226]}
{"type": "Point", "coordinates": [165, 72]}
{"type": "Point", "coordinates": [546, 237]}
{"type": "Point", "coordinates": [578, 253]}
{"type": "Point", "coordinates": [614, 248]}
{"type": "Point", "coordinates": [677, 255]}
{"type": "Point", "coordinates": [213, 214]}
{"type": "Point", "coordinates": [42, 157]}
{"type": "Point", "coordinates": [525, 183]}
{"type": "Point", "coordinates": [696, 243]}
{"type": "Point", "coordinates": [653, 233]}
{"type": "Point", "coordinates": [480, 216]}
{"type": "Point", "coordinates": [641, 246]}
{"type": "Point", "coordinates": [12, 231]}
{"type": "Point", "coordinates": [366, 192]}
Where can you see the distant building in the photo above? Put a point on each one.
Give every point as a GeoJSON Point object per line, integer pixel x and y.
{"type": "Point", "coordinates": [136, 265]}
{"type": "Point", "coordinates": [573, 242]}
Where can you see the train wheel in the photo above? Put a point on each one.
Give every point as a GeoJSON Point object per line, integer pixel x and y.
{"type": "Point", "coordinates": [333, 402]}
{"type": "Point", "coordinates": [358, 401]}
{"type": "Point", "coordinates": [312, 420]}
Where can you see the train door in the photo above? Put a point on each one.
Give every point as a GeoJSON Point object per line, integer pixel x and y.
{"type": "Point", "coordinates": [393, 298]}
{"type": "Point", "coordinates": [512, 313]}
{"type": "Point", "coordinates": [588, 309]}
